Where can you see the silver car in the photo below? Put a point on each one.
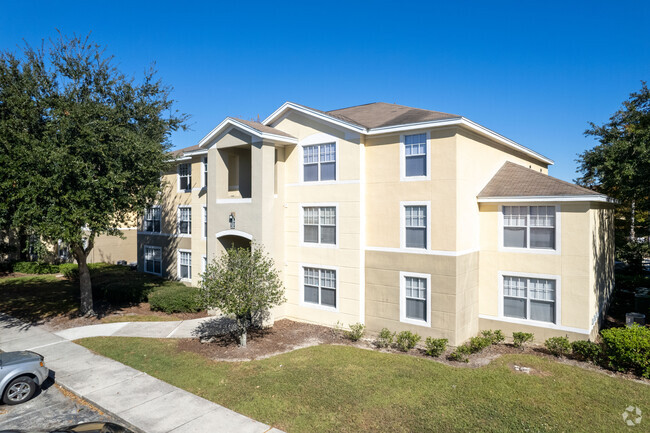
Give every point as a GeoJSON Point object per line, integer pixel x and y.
{"type": "Point", "coordinates": [21, 373]}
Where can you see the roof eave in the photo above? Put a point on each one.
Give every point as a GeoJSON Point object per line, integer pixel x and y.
{"type": "Point", "coordinates": [547, 198]}
{"type": "Point", "coordinates": [290, 105]}
{"type": "Point", "coordinates": [229, 121]}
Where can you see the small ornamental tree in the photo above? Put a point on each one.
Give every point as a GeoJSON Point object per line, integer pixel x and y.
{"type": "Point", "coordinates": [242, 283]}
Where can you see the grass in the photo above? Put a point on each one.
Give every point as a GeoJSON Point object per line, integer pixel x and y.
{"type": "Point", "coordinates": [34, 298]}
{"type": "Point", "coordinates": [139, 318]}
{"type": "Point", "coordinates": [345, 389]}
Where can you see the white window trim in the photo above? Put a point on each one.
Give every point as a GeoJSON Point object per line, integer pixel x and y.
{"type": "Point", "coordinates": [204, 262]}
{"type": "Point", "coordinates": [178, 222]}
{"type": "Point", "coordinates": [178, 177]}
{"type": "Point", "coordinates": [558, 300]}
{"type": "Point", "coordinates": [203, 171]}
{"type": "Point", "coordinates": [144, 221]}
{"type": "Point", "coordinates": [204, 217]}
{"type": "Point", "coordinates": [144, 260]}
{"type": "Point", "coordinates": [301, 224]}
{"type": "Point", "coordinates": [301, 276]}
{"type": "Point", "coordinates": [178, 264]}
{"type": "Point", "coordinates": [314, 140]}
{"type": "Point", "coordinates": [558, 231]}
{"type": "Point", "coordinates": [402, 299]}
{"type": "Point", "coordinates": [402, 158]}
{"type": "Point", "coordinates": [402, 224]}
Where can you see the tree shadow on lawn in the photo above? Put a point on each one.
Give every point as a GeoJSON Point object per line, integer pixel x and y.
{"type": "Point", "coordinates": [34, 300]}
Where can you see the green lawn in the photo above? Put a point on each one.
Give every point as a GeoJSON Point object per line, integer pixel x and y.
{"type": "Point", "coordinates": [345, 389]}
{"type": "Point", "coordinates": [34, 298]}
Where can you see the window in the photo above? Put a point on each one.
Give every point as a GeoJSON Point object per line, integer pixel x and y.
{"type": "Point", "coordinates": [320, 287]}
{"type": "Point", "coordinates": [205, 171]}
{"type": "Point", "coordinates": [319, 162]}
{"type": "Point", "coordinates": [184, 177]}
{"type": "Point", "coordinates": [153, 260]}
{"type": "Point", "coordinates": [152, 219]}
{"type": "Point", "coordinates": [529, 298]}
{"type": "Point", "coordinates": [415, 293]}
{"type": "Point", "coordinates": [415, 155]}
{"type": "Point", "coordinates": [205, 222]}
{"type": "Point", "coordinates": [185, 220]}
{"type": "Point", "coordinates": [319, 225]}
{"type": "Point", "coordinates": [529, 227]}
{"type": "Point", "coordinates": [204, 263]}
{"type": "Point", "coordinates": [415, 226]}
{"type": "Point", "coordinates": [64, 251]}
{"type": "Point", "coordinates": [185, 265]}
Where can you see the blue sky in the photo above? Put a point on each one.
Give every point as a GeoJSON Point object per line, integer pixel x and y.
{"type": "Point", "coordinates": [536, 72]}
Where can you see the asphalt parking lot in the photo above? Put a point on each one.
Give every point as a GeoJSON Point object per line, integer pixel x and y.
{"type": "Point", "coordinates": [49, 409]}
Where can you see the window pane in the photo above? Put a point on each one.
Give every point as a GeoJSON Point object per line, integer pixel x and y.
{"type": "Point", "coordinates": [185, 271]}
{"type": "Point", "coordinates": [327, 152]}
{"type": "Point", "coordinates": [515, 216]}
{"type": "Point", "coordinates": [311, 277]}
{"type": "Point", "coordinates": [328, 297]}
{"type": "Point", "coordinates": [514, 308]}
{"type": "Point", "coordinates": [157, 267]}
{"type": "Point", "coordinates": [416, 237]}
{"type": "Point", "coordinates": [328, 278]}
{"type": "Point", "coordinates": [184, 183]}
{"type": "Point", "coordinates": [328, 216]}
{"type": "Point", "coordinates": [311, 172]}
{"type": "Point", "coordinates": [542, 311]}
{"type": "Point", "coordinates": [514, 286]}
{"type": "Point", "coordinates": [311, 294]}
{"type": "Point", "coordinates": [543, 290]}
{"type": "Point", "coordinates": [311, 234]}
{"type": "Point", "coordinates": [542, 238]}
{"type": "Point", "coordinates": [310, 154]}
{"type": "Point", "coordinates": [514, 237]}
{"type": "Point", "coordinates": [416, 309]}
{"type": "Point", "coordinates": [416, 165]}
{"type": "Point", "coordinates": [328, 171]}
{"type": "Point", "coordinates": [328, 235]}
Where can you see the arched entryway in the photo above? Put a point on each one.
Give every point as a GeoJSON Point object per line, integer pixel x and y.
{"type": "Point", "coordinates": [234, 238]}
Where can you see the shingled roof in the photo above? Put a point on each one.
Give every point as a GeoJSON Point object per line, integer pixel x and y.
{"type": "Point", "coordinates": [514, 180]}
{"type": "Point", "coordinates": [180, 152]}
{"type": "Point", "coordinates": [381, 114]}
{"type": "Point", "coordinates": [262, 128]}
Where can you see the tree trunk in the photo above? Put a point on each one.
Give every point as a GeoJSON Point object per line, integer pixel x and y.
{"type": "Point", "coordinates": [85, 286]}
{"type": "Point", "coordinates": [241, 324]}
{"type": "Point", "coordinates": [633, 222]}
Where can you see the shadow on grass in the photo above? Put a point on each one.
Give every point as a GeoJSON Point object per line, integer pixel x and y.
{"type": "Point", "coordinates": [34, 299]}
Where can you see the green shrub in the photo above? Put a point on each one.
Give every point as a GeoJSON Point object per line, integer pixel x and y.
{"type": "Point", "coordinates": [558, 346]}
{"type": "Point", "coordinates": [628, 349]}
{"type": "Point", "coordinates": [406, 340]}
{"type": "Point", "coordinates": [356, 331]}
{"type": "Point", "coordinates": [435, 346]}
{"type": "Point", "coordinates": [35, 268]}
{"type": "Point", "coordinates": [477, 344]}
{"type": "Point", "coordinates": [175, 298]}
{"type": "Point", "coordinates": [521, 338]}
{"type": "Point", "coordinates": [461, 354]}
{"type": "Point", "coordinates": [587, 351]}
{"type": "Point", "coordinates": [385, 338]}
{"type": "Point", "coordinates": [69, 270]}
{"type": "Point", "coordinates": [495, 337]}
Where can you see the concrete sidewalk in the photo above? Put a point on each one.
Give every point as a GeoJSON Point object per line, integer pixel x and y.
{"type": "Point", "coordinates": [146, 403]}
{"type": "Point", "coordinates": [175, 329]}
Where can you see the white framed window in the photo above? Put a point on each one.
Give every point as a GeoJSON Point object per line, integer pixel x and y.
{"type": "Point", "coordinates": [415, 159]}
{"type": "Point", "coordinates": [204, 263]}
{"type": "Point", "coordinates": [184, 177]}
{"type": "Point", "coordinates": [152, 219]}
{"type": "Point", "coordinates": [319, 287]}
{"type": "Point", "coordinates": [185, 265]}
{"type": "Point", "coordinates": [205, 222]}
{"type": "Point", "coordinates": [184, 220]}
{"type": "Point", "coordinates": [153, 260]}
{"type": "Point", "coordinates": [529, 228]}
{"type": "Point", "coordinates": [415, 298]}
{"type": "Point", "coordinates": [319, 162]}
{"type": "Point", "coordinates": [319, 224]}
{"type": "Point", "coordinates": [415, 221]}
{"type": "Point", "coordinates": [529, 297]}
{"type": "Point", "coordinates": [204, 168]}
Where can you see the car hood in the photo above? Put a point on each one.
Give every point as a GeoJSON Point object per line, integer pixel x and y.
{"type": "Point", "coordinates": [13, 358]}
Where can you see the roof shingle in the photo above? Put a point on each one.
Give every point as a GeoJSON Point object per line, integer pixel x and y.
{"type": "Point", "coordinates": [514, 180]}
{"type": "Point", "coordinates": [381, 114]}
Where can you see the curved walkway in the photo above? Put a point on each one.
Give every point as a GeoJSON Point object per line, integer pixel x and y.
{"type": "Point", "coordinates": [177, 329]}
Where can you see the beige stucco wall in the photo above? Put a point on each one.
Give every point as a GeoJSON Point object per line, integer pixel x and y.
{"type": "Point", "coordinates": [573, 267]}
{"type": "Point", "coordinates": [110, 249]}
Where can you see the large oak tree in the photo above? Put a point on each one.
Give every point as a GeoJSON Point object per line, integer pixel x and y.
{"type": "Point", "coordinates": [82, 146]}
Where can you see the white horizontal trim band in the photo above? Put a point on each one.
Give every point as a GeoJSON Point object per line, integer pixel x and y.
{"type": "Point", "coordinates": [536, 324]}
{"type": "Point", "coordinates": [234, 200]}
{"type": "Point", "coordinates": [426, 252]}
{"type": "Point", "coordinates": [326, 182]}
{"type": "Point", "coordinates": [235, 233]}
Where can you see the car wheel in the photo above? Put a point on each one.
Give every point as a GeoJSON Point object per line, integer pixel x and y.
{"type": "Point", "coordinates": [19, 390]}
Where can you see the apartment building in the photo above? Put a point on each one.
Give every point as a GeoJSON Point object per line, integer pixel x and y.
{"type": "Point", "coordinates": [392, 216]}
